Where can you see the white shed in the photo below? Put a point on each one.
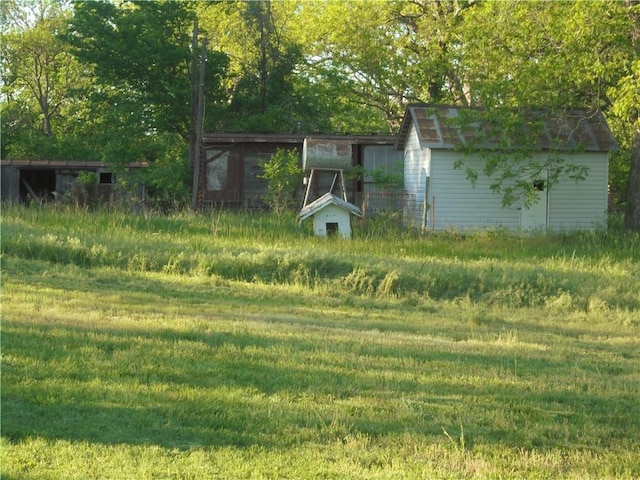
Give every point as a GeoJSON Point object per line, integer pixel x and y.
{"type": "Point", "coordinates": [433, 140]}
{"type": "Point", "coordinates": [331, 215]}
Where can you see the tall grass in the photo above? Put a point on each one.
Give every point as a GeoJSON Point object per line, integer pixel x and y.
{"type": "Point", "coordinates": [228, 345]}
{"type": "Point", "coordinates": [576, 271]}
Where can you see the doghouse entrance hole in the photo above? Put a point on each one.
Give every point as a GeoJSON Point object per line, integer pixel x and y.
{"type": "Point", "coordinates": [332, 229]}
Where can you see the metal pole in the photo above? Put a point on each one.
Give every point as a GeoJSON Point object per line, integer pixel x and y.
{"type": "Point", "coordinates": [344, 190]}
{"type": "Point", "coordinates": [306, 194]}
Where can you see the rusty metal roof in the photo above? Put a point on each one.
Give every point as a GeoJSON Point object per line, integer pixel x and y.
{"type": "Point", "coordinates": [69, 164]}
{"type": "Point", "coordinates": [450, 127]}
{"type": "Point", "coordinates": [230, 137]}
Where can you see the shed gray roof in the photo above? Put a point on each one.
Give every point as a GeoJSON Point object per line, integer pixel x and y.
{"type": "Point", "coordinates": [326, 200]}
{"type": "Point", "coordinates": [448, 127]}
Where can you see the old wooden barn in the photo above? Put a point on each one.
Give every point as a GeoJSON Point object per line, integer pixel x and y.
{"type": "Point", "coordinates": [51, 180]}
{"type": "Point", "coordinates": [230, 165]}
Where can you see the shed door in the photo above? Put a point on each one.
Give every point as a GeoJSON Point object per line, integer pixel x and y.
{"type": "Point", "coordinates": [534, 217]}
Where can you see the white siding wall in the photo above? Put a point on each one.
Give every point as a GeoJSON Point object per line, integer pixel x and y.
{"type": "Point", "coordinates": [416, 169]}
{"type": "Point", "coordinates": [415, 159]}
{"type": "Point", "coordinates": [583, 204]}
{"type": "Point", "coordinates": [456, 203]}
{"type": "Point", "coordinates": [332, 214]}
{"type": "Point", "coordinates": [571, 204]}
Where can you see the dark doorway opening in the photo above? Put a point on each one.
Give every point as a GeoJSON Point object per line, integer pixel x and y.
{"type": "Point", "coordinates": [332, 229]}
{"type": "Point", "coordinates": [37, 185]}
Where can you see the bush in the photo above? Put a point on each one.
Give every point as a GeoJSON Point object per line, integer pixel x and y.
{"type": "Point", "coordinates": [284, 175]}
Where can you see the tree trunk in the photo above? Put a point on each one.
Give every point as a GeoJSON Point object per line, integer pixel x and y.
{"type": "Point", "coordinates": [632, 216]}
{"type": "Point", "coordinates": [46, 116]}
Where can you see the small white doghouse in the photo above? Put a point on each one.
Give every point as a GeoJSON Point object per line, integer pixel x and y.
{"type": "Point", "coordinates": [327, 160]}
{"type": "Point", "coordinates": [331, 215]}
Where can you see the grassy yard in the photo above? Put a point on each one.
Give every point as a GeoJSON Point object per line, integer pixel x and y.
{"type": "Point", "coordinates": [238, 346]}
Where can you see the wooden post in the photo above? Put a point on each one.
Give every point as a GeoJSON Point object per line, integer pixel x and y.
{"type": "Point", "coordinates": [425, 205]}
{"type": "Point", "coordinates": [196, 163]}
{"type": "Point", "coordinates": [433, 213]}
{"type": "Point", "coordinates": [193, 119]}
{"type": "Point", "coordinates": [30, 190]}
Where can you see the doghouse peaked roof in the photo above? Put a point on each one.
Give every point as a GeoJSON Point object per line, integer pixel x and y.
{"type": "Point", "coordinates": [326, 200]}
{"type": "Point", "coordinates": [448, 127]}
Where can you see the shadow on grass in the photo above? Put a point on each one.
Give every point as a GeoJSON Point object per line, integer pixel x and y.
{"type": "Point", "coordinates": [183, 390]}
{"type": "Point", "coordinates": [180, 388]}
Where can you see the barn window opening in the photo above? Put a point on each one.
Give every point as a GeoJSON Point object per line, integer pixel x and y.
{"type": "Point", "coordinates": [332, 229]}
{"type": "Point", "coordinates": [106, 178]}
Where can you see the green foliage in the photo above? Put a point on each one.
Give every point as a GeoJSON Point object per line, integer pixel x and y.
{"type": "Point", "coordinates": [38, 69]}
{"type": "Point", "coordinates": [149, 67]}
{"type": "Point", "coordinates": [141, 107]}
{"type": "Point", "coordinates": [121, 78]}
{"type": "Point", "coordinates": [168, 175]}
{"type": "Point", "coordinates": [358, 74]}
{"type": "Point", "coordinates": [560, 55]}
{"type": "Point", "coordinates": [87, 179]}
{"type": "Point", "coordinates": [625, 118]}
{"type": "Point", "coordinates": [283, 174]}
{"type": "Point", "coordinates": [261, 99]}
{"type": "Point", "coordinates": [40, 84]}
{"type": "Point", "coordinates": [388, 181]}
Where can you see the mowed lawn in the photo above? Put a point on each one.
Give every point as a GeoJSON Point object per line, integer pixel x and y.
{"type": "Point", "coordinates": [238, 346]}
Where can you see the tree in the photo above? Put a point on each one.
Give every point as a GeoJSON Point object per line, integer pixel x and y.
{"type": "Point", "coordinates": [143, 51]}
{"type": "Point", "coordinates": [352, 51]}
{"type": "Point", "coordinates": [40, 79]}
{"type": "Point", "coordinates": [267, 92]}
{"type": "Point", "coordinates": [534, 54]}
{"type": "Point", "coordinates": [141, 55]}
{"type": "Point", "coordinates": [433, 38]}
{"type": "Point", "coordinates": [518, 57]}
{"type": "Point", "coordinates": [376, 56]}
{"type": "Point", "coordinates": [626, 110]}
